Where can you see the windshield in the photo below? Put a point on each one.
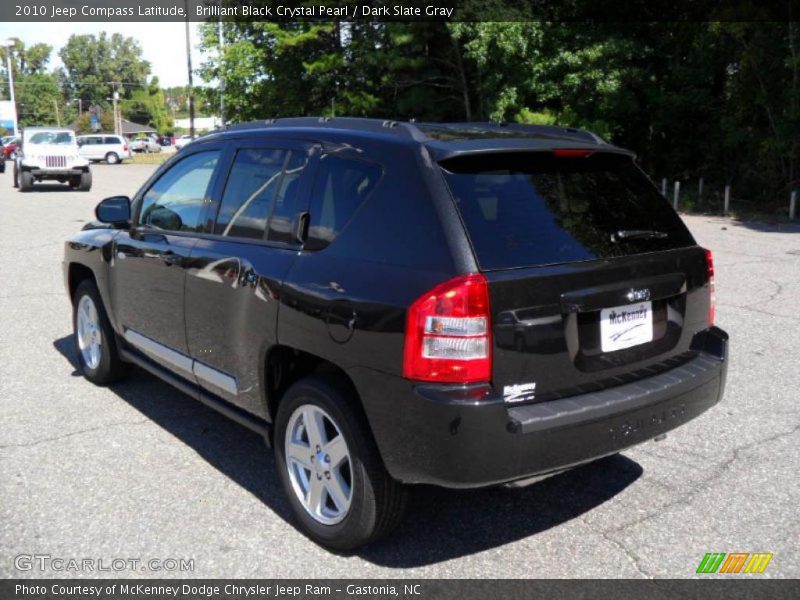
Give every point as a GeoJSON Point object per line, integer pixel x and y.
{"type": "Point", "coordinates": [52, 137]}
{"type": "Point", "coordinates": [531, 209]}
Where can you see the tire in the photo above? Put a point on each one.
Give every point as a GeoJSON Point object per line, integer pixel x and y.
{"type": "Point", "coordinates": [24, 181]}
{"type": "Point", "coordinates": [94, 339]}
{"type": "Point", "coordinates": [376, 503]}
{"type": "Point", "coordinates": [85, 181]}
{"type": "Point", "coordinates": [16, 176]}
{"type": "Point", "coordinates": [112, 158]}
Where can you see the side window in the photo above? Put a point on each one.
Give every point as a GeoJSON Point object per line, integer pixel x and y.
{"type": "Point", "coordinates": [340, 186]}
{"type": "Point", "coordinates": [251, 185]}
{"type": "Point", "coordinates": [286, 206]}
{"type": "Point", "coordinates": [176, 201]}
{"type": "Point", "coordinates": [111, 140]}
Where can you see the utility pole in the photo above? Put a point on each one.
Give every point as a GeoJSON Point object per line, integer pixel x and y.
{"type": "Point", "coordinates": [221, 73]}
{"type": "Point", "coordinates": [8, 45]}
{"type": "Point", "coordinates": [189, 67]}
{"type": "Point", "coordinates": [58, 116]}
{"type": "Point", "coordinates": [115, 98]}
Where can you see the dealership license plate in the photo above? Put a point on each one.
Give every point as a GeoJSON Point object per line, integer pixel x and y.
{"type": "Point", "coordinates": [626, 326]}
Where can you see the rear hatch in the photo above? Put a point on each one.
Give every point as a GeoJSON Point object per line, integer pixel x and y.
{"type": "Point", "coordinates": [594, 280]}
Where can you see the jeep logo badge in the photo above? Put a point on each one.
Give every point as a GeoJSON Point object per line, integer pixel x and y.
{"type": "Point", "coordinates": [637, 295]}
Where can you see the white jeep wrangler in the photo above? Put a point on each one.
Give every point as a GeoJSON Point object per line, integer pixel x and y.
{"type": "Point", "coordinates": [50, 153]}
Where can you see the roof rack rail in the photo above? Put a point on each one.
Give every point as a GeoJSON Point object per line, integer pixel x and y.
{"type": "Point", "coordinates": [351, 123]}
{"type": "Point", "coordinates": [421, 132]}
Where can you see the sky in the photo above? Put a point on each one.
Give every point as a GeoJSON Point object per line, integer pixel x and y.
{"type": "Point", "coordinates": [163, 44]}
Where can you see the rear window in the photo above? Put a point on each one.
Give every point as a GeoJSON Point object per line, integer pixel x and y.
{"type": "Point", "coordinates": [531, 209]}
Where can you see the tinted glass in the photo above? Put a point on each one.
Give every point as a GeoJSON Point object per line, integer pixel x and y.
{"type": "Point", "coordinates": [176, 201]}
{"type": "Point", "coordinates": [111, 140]}
{"type": "Point", "coordinates": [340, 186]}
{"type": "Point", "coordinates": [251, 185]}
{"type": "Point", "coordinates": [527, 209]}
{"type": "Point", "coordinates": [287, 199]}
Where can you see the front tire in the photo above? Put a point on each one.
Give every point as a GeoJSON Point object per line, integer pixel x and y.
{"type": "Point", "coordinates": [94, 338]}
{"type": "Point", "coordinates": [85, 181]}
{"type": "Point", "coordinates": [330, 468]}
{"type": "Point", "coordinates": [24, 181]}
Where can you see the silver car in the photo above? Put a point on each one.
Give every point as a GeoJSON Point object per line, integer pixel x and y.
{"type": "Point", "coordinates": [145, 144]}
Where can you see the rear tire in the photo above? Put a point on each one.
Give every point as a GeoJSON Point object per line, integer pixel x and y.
{"type": "Point", "coordinates": [376, 502]}
{"type": "Point", "coordinates": [98, 356]}
{"type": "Point", "coordinates": [85, 181]}
{"type": "Point", "coordinates": [112, 158]}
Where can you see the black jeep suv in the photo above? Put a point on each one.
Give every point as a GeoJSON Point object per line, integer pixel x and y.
{"type": "Point", "coordinates": [397, 303]}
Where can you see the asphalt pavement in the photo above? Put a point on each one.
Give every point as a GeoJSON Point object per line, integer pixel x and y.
{"type": "Point", "coordinates": [140, 472]}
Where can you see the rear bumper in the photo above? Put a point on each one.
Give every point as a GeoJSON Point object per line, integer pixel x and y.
{"type": "Point", "coordinates": [463, 437]}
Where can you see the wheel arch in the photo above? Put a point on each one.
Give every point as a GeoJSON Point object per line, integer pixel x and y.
{"type": "Point", "coordinates": [76, 274]}
{"type": "Point", "coordinates": [284, 365]}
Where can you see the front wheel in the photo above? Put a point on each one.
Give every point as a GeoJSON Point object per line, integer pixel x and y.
{"type": "Point", "coordinates": [94, 338]}
{"type": "Point", "coordinates": [24, 180]}
{"type": "Point", "coordinates": [330, 468]}
{"type": "Point", "coordinates": [85, 181]}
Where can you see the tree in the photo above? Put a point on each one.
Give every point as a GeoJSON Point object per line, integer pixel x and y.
{"type": "Point", "coordinates": [148, 106]}
{"type": "Point", "coordinates": [96, 66]}
{"type": "Point", "coordinates": [37, 92]}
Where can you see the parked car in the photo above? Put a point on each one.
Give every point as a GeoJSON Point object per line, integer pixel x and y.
{"type": "Point", "coordinates": [183, 140]}
{"type": "Point", "coordinates": [145, 144]}
{"type": "Point", "coordinates": [108, 147]}
{"type": "Point", "coordinates": [165, 140]}
{"type": "Point", "coordinates": [11, 148]}
{"type": "Point", "coordinates": [351, 288]}
{"type": "Point", "coordinates": [50, 154]}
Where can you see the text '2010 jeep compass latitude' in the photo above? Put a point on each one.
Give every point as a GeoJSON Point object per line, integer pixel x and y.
{"type": "Point", "coordinates": [399, 303]}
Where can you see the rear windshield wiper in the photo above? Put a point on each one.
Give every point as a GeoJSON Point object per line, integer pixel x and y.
{"type": "Point", "coordinates": [638, 234]}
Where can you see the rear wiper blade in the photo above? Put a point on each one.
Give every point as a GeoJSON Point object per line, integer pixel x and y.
{"type": "Point", "coordinates": [638, 234]}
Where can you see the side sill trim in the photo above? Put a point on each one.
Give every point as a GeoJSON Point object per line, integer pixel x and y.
{"type": "Point", "coordinates": [176, 359]}
{"type": "Point", "coordinates": [203, 372]}
{"type": "Point", "coordinates": [229, 410]}
{"type": "Point", "coordinates": [215, 378]}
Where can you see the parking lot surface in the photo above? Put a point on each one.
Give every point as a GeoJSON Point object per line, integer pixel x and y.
{"type": "Point", "coordinates": [140, 471]}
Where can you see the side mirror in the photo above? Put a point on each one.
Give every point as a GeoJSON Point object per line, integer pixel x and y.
{"type": "Point", "coordinates": [115, 210]}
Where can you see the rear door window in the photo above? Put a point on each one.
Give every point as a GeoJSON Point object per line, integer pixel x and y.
{"type": "Point", "coordinates": [340, 186]}
{"type": "Point", "coordinates": [286, 205]}
{"type": "Point", "coordinates": [531, 209]}
{"type": "Point", "coordinates": [249, 192]}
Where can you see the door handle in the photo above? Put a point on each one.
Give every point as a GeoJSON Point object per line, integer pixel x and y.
{"type": "Point", "coordinates": [301, 227]}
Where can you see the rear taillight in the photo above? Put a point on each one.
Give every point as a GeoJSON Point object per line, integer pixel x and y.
{"type": "Point", "coordinates": [125, 148]}
{"type": "Point", "coordinates": [712, 292]}
{"type": "Point", "coordinates": [448, 337]}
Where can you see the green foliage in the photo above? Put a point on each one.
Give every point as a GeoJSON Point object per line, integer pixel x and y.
{"type": "Point", "coordinates": [37, 92]}
{"type": "Point", "coordinates": [83, 123]}
{"type": "Point", "coordinates": [148, 107]}
{"type": "Point", "coordinates": [95, 66]}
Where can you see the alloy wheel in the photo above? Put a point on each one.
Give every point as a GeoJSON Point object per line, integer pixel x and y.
{"type": "Point", "coordinates": [319, 465]}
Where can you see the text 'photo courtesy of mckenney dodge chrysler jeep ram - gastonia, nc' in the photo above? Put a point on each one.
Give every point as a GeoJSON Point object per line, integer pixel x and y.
{"type": "Point", "coordinates": [398, 303]}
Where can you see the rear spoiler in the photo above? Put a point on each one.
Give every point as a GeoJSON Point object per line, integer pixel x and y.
{"type": "Point", "coordinates": [441, 150]}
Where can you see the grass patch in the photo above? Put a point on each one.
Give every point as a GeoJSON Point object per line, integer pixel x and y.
{"type": "Point", "coordinates": [143, 158]}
